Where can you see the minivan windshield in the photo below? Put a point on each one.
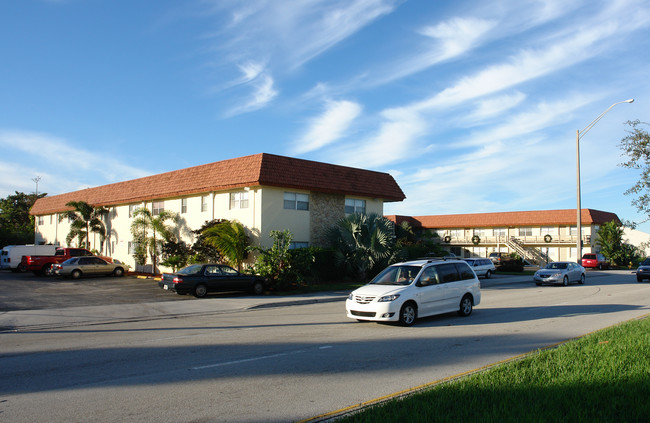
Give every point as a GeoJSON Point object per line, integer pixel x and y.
{"type": "Point", "coordinates": [397, 275]}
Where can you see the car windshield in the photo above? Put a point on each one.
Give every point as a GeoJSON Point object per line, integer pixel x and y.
{"type": "Point", "coordinates": [190, 270]}
{"type": "Point", "coordinates": [646, 262]}
{"type": "Point", "coordinates": [397, 275]}
{"type": "Point", "coordinates": [556, 266]}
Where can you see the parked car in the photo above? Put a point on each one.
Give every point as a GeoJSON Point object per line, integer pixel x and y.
{"type": "Point", "coordinates": [643, 271]}
{"type": "Point", "coordinates": [595, 260]}
{"type": "Point", "coordinates": [560, 272]}
{"type": "Point", "coordinates": [77, 267]}
{"type": "Point", "coordinates": [497, 258]}
{"type": "Point", "coordinates": [200, 279]}
{"type": "Point", "coordinates": [406, 291]}
{"type": "Point", "coordinates": [481, 266]}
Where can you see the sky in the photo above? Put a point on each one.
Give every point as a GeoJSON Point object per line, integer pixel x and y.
{"type": "Point", "coordinates": [472, 106]}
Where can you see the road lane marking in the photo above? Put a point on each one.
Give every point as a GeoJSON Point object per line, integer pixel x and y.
{"type": "Point", "coordinates": [248, 360]}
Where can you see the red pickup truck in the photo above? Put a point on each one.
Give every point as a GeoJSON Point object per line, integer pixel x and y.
{"type": "Point", "coordinates": [43, 265]}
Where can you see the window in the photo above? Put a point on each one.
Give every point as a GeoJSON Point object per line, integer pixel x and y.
{"type": "Point", "coordinates": [51, 216]}
{"type": "Point", "coordinates": [549, 230]}
{"type": "Point", "coordinates": [448, 273]}
{"type": "Point", "coordinates": [204, 203]}
{"type": "Point", "coordinates": [132, 247]}
{"type": "Point", "coordinates": [480, 232]}
{"type": "Point", "coordinates": [132, 208]}
{"type": "Point", "coordinates": [355, 206]}
{"type": "Point", "coordinates": [183, 205]}
{"type": "Point", "coordinates": [157, 207]}
{"type": "Point", "coordinates": [293, 245]}
{"type": "Point", "coordinates": [295, 201]}
{"type": "Point", "coordinates": [499, 231]}
{"type": "Point", "coordinates": [526, 231]}
{"type": "Point", "coordinates": [464, 271]}
{"type": "Point", "coordinates": [457, 233]}
{"type": "Point", "coordinates": [239, 200]}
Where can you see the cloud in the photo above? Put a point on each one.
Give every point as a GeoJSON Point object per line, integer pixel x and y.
{"type": "Point", "coordinates": [282, 35]}
{"type": "Point", "coordinates": [63, 166]}
{"type": "Point", "coordinates": [329, 126]}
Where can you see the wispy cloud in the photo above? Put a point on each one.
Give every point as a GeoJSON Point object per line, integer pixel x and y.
{"type": "Point", "coordinates": [284, 36]}
{"type": "Point", "coordinates": [67, 167]}
{"type": "Point", "coordinates": [329, 126]}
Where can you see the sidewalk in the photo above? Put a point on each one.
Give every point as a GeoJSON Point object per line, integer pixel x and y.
{"type": "Point", "coordinates": [22, 320]}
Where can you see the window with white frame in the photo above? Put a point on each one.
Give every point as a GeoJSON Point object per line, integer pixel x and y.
{"type": "Point", "coordinates": [499, 231]}
{"type": "Point", "coordinates": [204, 203]}
{"type": "Point", "coordinates": [549, 230]}
{"type": "Point", "coordinates": [183, 205]}
{"type": "Point", "coordinates": [574, 230]}
{"type": "Point", "coordinates": [296, 244]}
{"type": "Point", "coordinates": [132, 209]}
{"type": "Point", "coordinates": [481, 232]}
{"type": "Point", "coordinates": [40, 220]}
{"type": "Point", "coordinates": [157, 207]}
{"type": "Point", "coordinates": [239, 200]}
{"type": "Point", "coordinates": [526, 231]}
{"type": "Point", "coordinates": [457, 233]}
{"type": "Point", "coordinates": [353, 205]}
{"type": "Point", "coordinates": [132, 247]}
{"type": "Point", "coordinates": [296, 201]}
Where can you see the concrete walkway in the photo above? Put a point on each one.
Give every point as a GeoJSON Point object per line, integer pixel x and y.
{"type": "Point", "coordinates": [23, 320]}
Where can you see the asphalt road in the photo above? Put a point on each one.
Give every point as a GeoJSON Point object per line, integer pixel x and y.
{"type": "Point", "coordinates": [284, 363]}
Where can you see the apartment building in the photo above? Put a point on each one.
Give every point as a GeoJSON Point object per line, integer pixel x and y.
{"type": "Point", "coordinates": [264, 192]}
{"type": "Point", "coordinates": [535, 235]}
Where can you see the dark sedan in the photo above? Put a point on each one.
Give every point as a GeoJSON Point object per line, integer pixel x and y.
{"type": "Point", "coordinates": [200, 279]}
{"type": "Point", "coordinates": [643, 271]}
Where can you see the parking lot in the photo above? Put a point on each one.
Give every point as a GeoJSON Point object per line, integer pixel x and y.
{"type": "Point", "coordinates": [26, 291]}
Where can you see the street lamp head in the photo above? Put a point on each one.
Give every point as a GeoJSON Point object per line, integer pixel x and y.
{"type": "Point", "coordinates": [631, 100]}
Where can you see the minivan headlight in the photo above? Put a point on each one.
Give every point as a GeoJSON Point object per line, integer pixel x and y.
{"type": "Point", "coordinates": [388, 298]}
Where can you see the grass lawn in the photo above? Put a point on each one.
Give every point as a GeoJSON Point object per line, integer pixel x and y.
{"type": "Point", "coordinates": [601, 377]}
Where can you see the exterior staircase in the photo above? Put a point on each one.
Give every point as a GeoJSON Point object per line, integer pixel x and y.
{"type": "Point", "coordinates": [530, 254]}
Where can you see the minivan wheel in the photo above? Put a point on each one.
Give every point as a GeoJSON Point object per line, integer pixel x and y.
{"type": "Point", "coordinates": [200, 291]}
{"type": "Point", "coordinates": [408, 314]}
{"type": "Point", "coordinates": [465, 308]}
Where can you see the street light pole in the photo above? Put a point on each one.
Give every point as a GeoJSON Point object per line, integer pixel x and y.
{"type": "Point", "coordinates": [580, 134]}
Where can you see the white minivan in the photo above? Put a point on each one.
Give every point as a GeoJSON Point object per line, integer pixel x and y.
{"type": "Point", "coordinates": [405, 291]}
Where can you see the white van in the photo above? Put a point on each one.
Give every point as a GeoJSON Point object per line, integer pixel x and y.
{"type": "Point", "coordinates": [405, 291]}
{"type": "Point", "coordinates": [12, 254]}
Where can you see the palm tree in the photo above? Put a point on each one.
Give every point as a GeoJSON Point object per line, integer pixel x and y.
{"type": "Point", "coordinates": [85, 219]}
{"type": "Point", "coordinates": [230, 239]}
{"type": "Point", "coordinates": [362, 242]}
{"type": "Point", "coordinates": [145, 221]}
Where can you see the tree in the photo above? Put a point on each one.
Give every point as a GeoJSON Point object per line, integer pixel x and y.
{"type": "Point", "coordinates": [363, 243]}
{"type": "Point", "coordinates": [85, 219]}
{"type": "Point", "coordinates": [230, 239]}
{"type": "Point", "coordinates": [274, 263]}
{"type": "Point", "coordinates": [201, 250]}
{"type": "Point", "coordinates": [636, 146]}
{"type": "Point", "coordinates": [16, 225]}
{"type": "Point", "coordinates": [610, 241]}
{"type": "Point", "coordinates": [145, 221]}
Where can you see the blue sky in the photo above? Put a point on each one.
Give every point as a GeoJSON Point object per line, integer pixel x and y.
{"type": "Point", "coordinates": [472, 106]}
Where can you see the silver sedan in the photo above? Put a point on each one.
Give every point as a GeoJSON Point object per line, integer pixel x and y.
{"type": "Point", "coordinates": [560, 272]}
{"type": "Point", "coordinates": [77, 267]}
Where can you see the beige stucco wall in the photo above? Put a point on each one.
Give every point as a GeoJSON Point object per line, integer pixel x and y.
{"type": "Point", "coordinates": [265, 212]}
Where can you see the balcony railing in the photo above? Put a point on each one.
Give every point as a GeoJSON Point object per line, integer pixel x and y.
{"type": "Point", "coordinates": [538, 240]}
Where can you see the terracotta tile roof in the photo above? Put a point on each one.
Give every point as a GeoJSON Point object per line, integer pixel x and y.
{"type": "Point", "coordinates": [249, 171]}
{"type": "Point", "coordinates": [506, 219]}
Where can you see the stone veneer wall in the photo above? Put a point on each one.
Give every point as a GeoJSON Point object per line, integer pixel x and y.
{"type": "Point", "coordinates": [324, 211]}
